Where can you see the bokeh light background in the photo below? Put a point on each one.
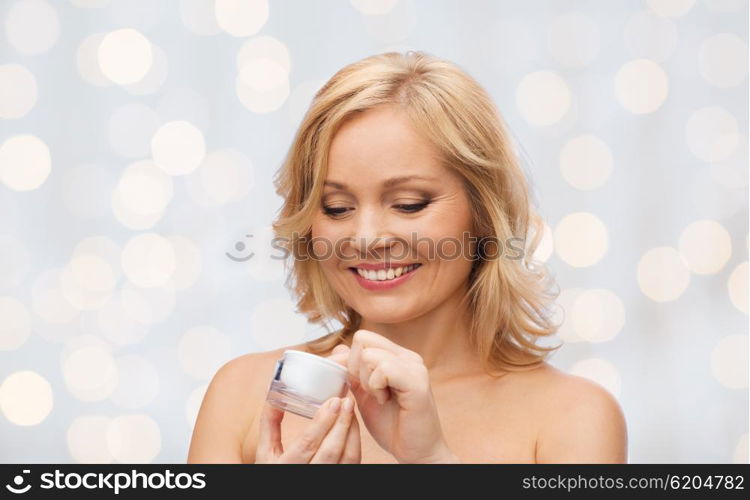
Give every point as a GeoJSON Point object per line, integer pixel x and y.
{"type": "Point", "coordinates": [138, 140]}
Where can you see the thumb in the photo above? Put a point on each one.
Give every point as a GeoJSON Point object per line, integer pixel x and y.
{"type": "Point", "coordinates": [269, 439]}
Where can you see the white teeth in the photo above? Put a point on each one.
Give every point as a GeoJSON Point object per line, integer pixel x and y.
{"type": "Point", "coordinates": [383, 274]}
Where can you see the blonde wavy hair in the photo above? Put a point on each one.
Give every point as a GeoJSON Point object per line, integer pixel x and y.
{"type": "Point", "coordinates": [509, 299]}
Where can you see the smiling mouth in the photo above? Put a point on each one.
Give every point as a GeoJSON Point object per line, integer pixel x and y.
{"type": "Point", "coordinates": [383, 274]}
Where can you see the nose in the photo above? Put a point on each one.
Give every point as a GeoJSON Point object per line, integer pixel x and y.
{"type": "Point", "coordinates": [370, 236]}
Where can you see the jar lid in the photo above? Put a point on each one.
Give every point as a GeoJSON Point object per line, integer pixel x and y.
{"type": "Point", "coordinates": [317, 358]}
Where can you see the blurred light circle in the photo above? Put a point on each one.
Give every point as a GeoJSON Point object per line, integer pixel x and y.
{"type": "Point", "coordinates": [546, 245]}
{"type": "Point", "coordinates": [48, 301]}
{"type": "Point", "coordinates": [15, 327]}
{"type": "Point", "coordinates": [663, 274]}
{"type": "Point", "coordinates": [264, 47]}
{"type": "Point", "coordinates": [586, 162]}
{"type": "Point", "coordinates": [87, 282]}
{"type": "Point", "coordinates": [737, 285]}
{"type": "Point", "coordinates": [543, 98]}
{"type": "Point", "coordinates": [18, 91]}
{"type": "Point", "coordinates": [573, 40]}
{"type": "Point", "coordinates": [670, 8]}
{"type": "Point", "coordinates": [706, 246]}
{"type": "Point", "coordinates": [650, 37]}
{"type": "Point", "coordinates": [144, 189]}
{"type": "Point", "coordinates": [723, 60]}
{"type": "Point", "coordinates": [86, 439]}
{"type": "Point", "coordinates": [147, 306]}
{"type": "Point", "coordinates": [138, 382]}
{"type": "Point", "coordinates": [712, 134]}
{"type": "Point", "coordinates": [92, 273]}
{"type": "Point", "coordinates": [262, 86]}
{"type": "Point", "coordinates": [188, 262]}
{"type": "Point", "coordinates": [32, 26]}
{"type": "Point", "coordinates": [563, 311]}
{"type": "Point", "coordinates": [117, 325]}
{"type": "Point", "coordinates": [600, 371]}
{"type": "Point", "coordinates": [25, 162]}
{"type": "Point", "coordinates": [729, 361]}
{"type": "Point", "coordinates": [374, 7]}
{"type": "Point", "coordinates": [15, 261]}
{"type": "Point", "coordinates": [202, 350]}
{"type": "Point", "coordinates": [125, 56]}
{"type": "Point", "coordinates": [199, 17]}
{"type": "Point", "coordinates": [178, 147]}
{"type": "Point", "coordinates": [136, 209]}
{"type": "Point", "coordinates": [241, 17]}
{"type": "Point", "coordinates": [193, 404]}
{"type": "Point", "coordinates": [134, 439]}
{"type": "Point", "coordinates": [104, 248]}
{"type": "Point", "coordinates": [148, 260]}
{"type": "Point", "coordinates": [90, 373]}
{"type": "Point", "coordinates": [156, 76]}
{"type": "Point", "coordinates": [581, 239]}
{"type": "Point", "coordinates": [87, 61]}
{"type": "Point", "coordinates": [598, 315]}
{"type": "Point", "coordinates": [225, 176]}
{"type": "Point", "coordinates": [641, 86]}
{"type": "Point", "coordinates": [26, 398]}
{"type": "Point", "coordinates": [276, 324]}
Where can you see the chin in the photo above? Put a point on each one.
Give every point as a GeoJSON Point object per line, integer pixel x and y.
{"type": "Point", "coordinates": [386, 315]}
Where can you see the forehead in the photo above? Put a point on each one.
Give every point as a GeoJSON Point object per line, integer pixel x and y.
{"type": "Point", "coordinates": [380, 143]}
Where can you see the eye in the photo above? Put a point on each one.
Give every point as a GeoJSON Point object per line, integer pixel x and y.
{"type": "Point", "coordinates": [413, 207]}
{"type": "Point", "coordinates": [334, 211]}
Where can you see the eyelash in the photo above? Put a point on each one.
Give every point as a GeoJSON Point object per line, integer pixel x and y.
{"type": "Point", "coordinates": [417, 207]}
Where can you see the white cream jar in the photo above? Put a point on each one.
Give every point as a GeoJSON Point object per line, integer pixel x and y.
{"type": "Point", "coordinates": [303, 381]}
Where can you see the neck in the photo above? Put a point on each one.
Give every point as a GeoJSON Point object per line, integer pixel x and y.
{"type": "Point", "coordinates": [441, 337]}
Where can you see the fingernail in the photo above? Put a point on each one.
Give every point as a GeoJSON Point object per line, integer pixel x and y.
{"type": "Point", "coordinates": [348, 405]}
{"type": "Point", "coordinates": [335, 405]}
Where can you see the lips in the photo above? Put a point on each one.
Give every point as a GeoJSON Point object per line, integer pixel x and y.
{"type": "Point", "coordinates": [378, 285]}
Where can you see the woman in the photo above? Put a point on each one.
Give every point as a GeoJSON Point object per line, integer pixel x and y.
{"type": "Point", "coordinates": [404, 209]}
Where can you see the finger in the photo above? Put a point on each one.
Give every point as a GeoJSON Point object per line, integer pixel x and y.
{"type": "Point", "coordinates": [333, 443]}
{"type": "Point", "coordinates": [378, 384]}
{"type": "Point", "coordinates": [352, 453]}
{"type": "Point", "coordinates": [269, 439]}
{"type": "Point", "coordinates": [304, 447]}
{"type": "Point", "coordinates": [370, 358]}
{"type": "Point", "coordinates": [394, 373]}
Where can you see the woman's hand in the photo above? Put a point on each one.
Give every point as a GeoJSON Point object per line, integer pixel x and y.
{"type": "Point", "coordinates": [331, 438]}
{"type": "Point", "coordinates": [392, 387]}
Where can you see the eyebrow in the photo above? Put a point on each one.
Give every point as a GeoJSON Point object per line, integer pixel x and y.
{"type": "Point", "coordinates": [388, 183]}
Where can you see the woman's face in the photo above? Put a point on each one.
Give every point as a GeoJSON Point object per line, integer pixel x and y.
{"type": "Point", "coordinates": [363, 219]}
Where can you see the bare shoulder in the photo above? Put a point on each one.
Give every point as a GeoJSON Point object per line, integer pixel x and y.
{"type": "Point", "coordinates": [231, 405]}
{"type": "Point", "coordinates": [580, 420]}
